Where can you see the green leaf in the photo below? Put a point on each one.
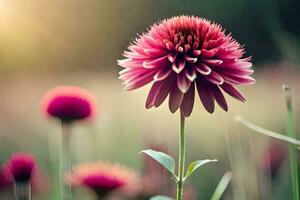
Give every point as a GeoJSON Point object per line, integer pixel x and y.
{"type": "Point", "coordinates": [161, 198]}
{"type": "Point", "coordinates": [164, 159]}
{"type": "Point", "coordinates": [224, 182]}
{"type": "Point", "coordinates": [196, 164]}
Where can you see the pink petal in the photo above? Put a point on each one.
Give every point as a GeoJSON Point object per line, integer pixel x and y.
{"type": "Point", "coordinates": [208, 53]}
{"type": "Point", "coordinates": [179, 66]}
{"type": "Point", "coordinates": [234, 71]}
{"type": "Point", "coordinates": [129, 63]}
{"type": "Point", "coordinates": [135, 55]}
{"type": "Point", "coordinates": [188, 101]}
{"type": "Point", "coordinates": [213, 43]}
{"type": "Point", "coordinates": [158, 62]}
{"type": "Point", "coordinates": [130, 73]}
{"type": "Point", "coordinates": [136, 74]}
{"type": "Point", "coordinates": [238, 80]}
{"type": "Point", "coordinates": [212, 62]}
{"type": "Point", "coordinates": [203, 69]}
{"type": "Point", "coordinates": [230, 80]}
{"type": "Point", "coordinates": [205, 94]}
{"type": "Point", "coordinates": [163, 91]}
{"type": "Point", "coordinates": [215, 78]}
{"type": "Point", "coordinates": [219, 97]}
{"type": "Point", "coordinates": [242, 64]}
{"type": "Point", "coordinates": [139, 82]}
{"type": "Point", "coordinates": [232, 91]}
{"type": "Point", "coordinates": [175, 99]}
{"type": "Point", "coordinates": [172, 58]}
{"type": "Point", "coordinates": [196, 52]}
{"type": "Point", "coordinates": [162, 74]}
{"type": "Point", "coordinates": [236, 64]}
{"type": "Point", "coordinates": [169, 45]}
{"type": "Point", "coordinates": [155, 52]}
{"type": "Point", "coordinates": [190, 74]}
{"type": "Point", "coordinates": [153, 91]}
{"type": "Point", "coordinates": [180, 49]}
{"type": "Point", "coordinates": [183, 83]}
{"type": "Point", "coordinates": [151, 42]}
{"type": "Point", "coordinates": [187, 47]}
{"type": "Point", "coordinates": [190, 59]}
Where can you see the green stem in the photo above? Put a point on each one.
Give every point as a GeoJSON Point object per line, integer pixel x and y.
{"type": "Point", "coordinates": [181, 160]}
{"type": "Point", "coordinates": [22, 191]}
{"type": "Point", "coordinates": [65, 161]}
{"type": "Point", "coordinates": [292, 149]}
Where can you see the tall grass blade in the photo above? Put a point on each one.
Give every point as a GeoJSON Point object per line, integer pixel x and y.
{"type": "Point", "coordinates": [266, 132]}
{"type": "Point", "coordinates": [224, 182]}
{"type": "Point", "coordinates": [292, 150]}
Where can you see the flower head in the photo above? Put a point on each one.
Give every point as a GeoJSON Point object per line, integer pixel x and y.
{"type": "Point", "coordinates": [104, 178]}
{"type": "Point", "coordinates": [21, 167]}
{"type": "Point", "coordinates": [69, 104]}
{"type": "Point", "coordinates": [182, 53]}
{"type": "Point", "coordinates": [5, 178]}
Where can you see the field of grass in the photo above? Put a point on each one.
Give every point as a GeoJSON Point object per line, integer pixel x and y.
{"type": "Point", "coordinates": [123, 127]}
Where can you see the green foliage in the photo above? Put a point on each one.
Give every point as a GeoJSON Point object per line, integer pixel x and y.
{"type": "Point", "coordinates": [164, 159]}
{"type": "Point", "coordinates": [195, 165]}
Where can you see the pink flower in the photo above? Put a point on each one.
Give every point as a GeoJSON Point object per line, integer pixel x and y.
{"type": "Point", "coordinates": [21, 166]}
{"type": "Point", "coordinates": [273, 157]}
{"type": "Point", "coordinates": [5, 178]}
{"type": "Point", "coordinates": [180, 53]}
{"type": "Point", "coordinates": [104, 178]}
{"type": "Point", "coordinates": [69, 104]}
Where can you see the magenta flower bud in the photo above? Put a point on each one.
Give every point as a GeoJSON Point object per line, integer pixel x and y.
{"type": "Point", "coordinates": [69, 104]}
{"type": "Point", "coordinates": [22, 167]}
{"type": "Point", "coordinates": [180, 54]}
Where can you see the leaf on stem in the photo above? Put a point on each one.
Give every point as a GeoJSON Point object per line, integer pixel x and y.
{"type": "Point", "coordinates": [196, 164]}
{"type": "Point", "coordinates": [165, 160]}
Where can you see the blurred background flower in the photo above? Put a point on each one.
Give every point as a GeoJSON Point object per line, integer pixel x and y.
{"type": "Point", "coordinates": [104, 178]}
{"type": "Point", "coordinates": [273, 157]}
{"type": "Point", "coordinates": [21, 167]}
{"type": "Point", "coordinates": [69, 104]}
{"type": "Point", "coordinates": [5, 179]}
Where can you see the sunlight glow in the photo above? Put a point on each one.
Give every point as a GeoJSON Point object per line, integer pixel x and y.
{"type": "Point", "coordinates": [3, 3]}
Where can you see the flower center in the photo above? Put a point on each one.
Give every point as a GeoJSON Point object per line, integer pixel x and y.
{"type": "Point", "coordinates": [185, 52]}
{"type": "Point", "coordinates": [185, 40]}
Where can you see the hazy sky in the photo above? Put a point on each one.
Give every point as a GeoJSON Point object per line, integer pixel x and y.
{"type": "Point", "coordinates": [43, 34]}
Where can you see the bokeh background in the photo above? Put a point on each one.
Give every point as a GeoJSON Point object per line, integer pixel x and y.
{"type": "Point", "coordinates": [46, 43]}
